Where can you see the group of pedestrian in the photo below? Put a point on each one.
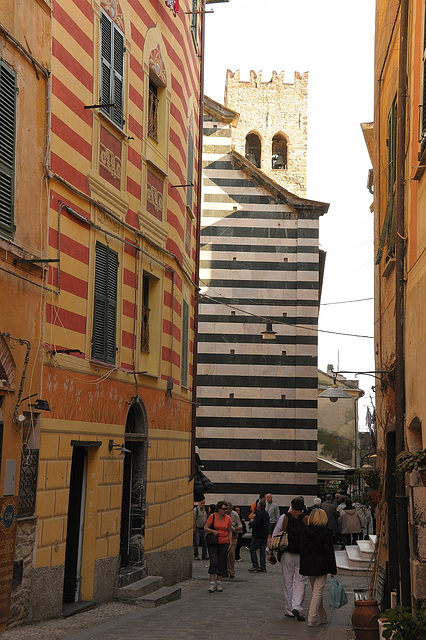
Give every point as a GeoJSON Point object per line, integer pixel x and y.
{"type": "Point", "coordinates": [346, 519]}
{"type": "Point", "coordinates": [308, 556]}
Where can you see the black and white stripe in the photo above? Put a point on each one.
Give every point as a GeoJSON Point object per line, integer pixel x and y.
{"type": "Point", "coordinates": [257, 419]}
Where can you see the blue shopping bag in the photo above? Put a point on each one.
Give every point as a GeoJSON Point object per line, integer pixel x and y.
{"type": "Point", "coordinates": [338, 597]}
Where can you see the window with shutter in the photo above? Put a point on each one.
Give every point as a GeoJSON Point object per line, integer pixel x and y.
{"type": "Point", "coordinates": [105, 304]}
{"type": "Point", "coordinates": [7, 148]}
{"type": "Point", "coordinates": [190, 171]}
{"type": "Point", "coordinates": [185, 345]}
{"type": "Point", "coordinates": [112, 70]}
{"type": "Point", "coordinates": [387, 236]}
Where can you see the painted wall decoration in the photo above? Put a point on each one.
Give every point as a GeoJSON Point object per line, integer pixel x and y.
{"type": "Point", "coordinates": [154, 195]}
{"type": "Point", "coordinates": [156, 64]}
{"type": "Point", "coordinates": [173, 6]}
{"type": "Point", "coordinates": [110, 158]}
{"type": "Point", "coordinates": [84, 400]}
{"type": "Point", "coordinates": [114, 10]}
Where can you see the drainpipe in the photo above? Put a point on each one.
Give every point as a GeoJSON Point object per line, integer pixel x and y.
{"type": "Point", "coordinates": [198, 235]}
{"type": "Point", "coordinates": [401, 497]}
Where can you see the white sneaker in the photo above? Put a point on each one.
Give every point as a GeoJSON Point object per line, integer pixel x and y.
{"type": "Point", "coordinates": [219, 587]}
{"type": "Point", "coordinates": [212, 588]}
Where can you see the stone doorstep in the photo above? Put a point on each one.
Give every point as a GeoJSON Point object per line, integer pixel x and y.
{"type": "Point", "coordinates": [140, 588]}
{"type": "Point", "coordinates": [159, 597]}
{"type": "Point", "coordinates": [356, 558]}
{"type": "Point", "coordinates": [345, 568]}
{"type": "Point", "coordinates": [129, 575]}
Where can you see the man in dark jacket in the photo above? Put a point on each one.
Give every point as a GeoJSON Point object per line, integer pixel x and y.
{"type": "Point", "coordinates": [260, 531]}
{"type": "Point", "coordinates": [332, 514]}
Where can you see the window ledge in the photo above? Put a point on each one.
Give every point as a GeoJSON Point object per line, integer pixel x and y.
{"type": "Point", "coordinates": [119, 130]}
{"type": "Point", "coordinates": [106, 194]}
{"type": "Point", "coordinates": [15, 252]}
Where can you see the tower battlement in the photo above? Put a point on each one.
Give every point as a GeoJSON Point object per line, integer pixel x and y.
{"type": "Point", "coordinates": [256, 78]}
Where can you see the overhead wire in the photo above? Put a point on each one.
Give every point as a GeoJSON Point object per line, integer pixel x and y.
{"type": "Point", "coordinates": [278, 321]}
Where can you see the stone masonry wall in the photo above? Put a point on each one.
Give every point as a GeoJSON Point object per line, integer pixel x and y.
{"type": "Point", "coordinates": [22, 571]}
{"type": "Point", "coordinates": [268, 108]}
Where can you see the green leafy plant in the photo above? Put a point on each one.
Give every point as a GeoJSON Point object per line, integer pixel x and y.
{"type": "Point", "coordinates": [370, 477]}
{"type": "Point", "coordinates": [401, 625]}
{"type": "Point", "coordinates": [408, 461]}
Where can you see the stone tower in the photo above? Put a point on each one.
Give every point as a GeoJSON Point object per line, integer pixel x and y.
{"type": "Point", "coordinates": [272, 127]}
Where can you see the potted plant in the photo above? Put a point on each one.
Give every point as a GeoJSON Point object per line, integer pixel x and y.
{"type": "Point", "coordinates": [371, 477]}
{"type": "Point", "coordinates": [400, 624]}
{"type": "Point", "coordinates": [408, 461]}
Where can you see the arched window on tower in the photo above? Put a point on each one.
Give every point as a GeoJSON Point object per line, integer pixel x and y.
{"type": "Point", "coordinates": [253, 149]}
{"type": "Point", "coordinates": [279, 152]}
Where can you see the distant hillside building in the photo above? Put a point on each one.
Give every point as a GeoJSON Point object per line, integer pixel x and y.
{"type": "Point", "coordinates": [260, 262]}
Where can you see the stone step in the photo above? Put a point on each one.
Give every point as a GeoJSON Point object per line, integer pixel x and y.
{"type": "Point", "coordinates": [159, 597]}
{"type": "Point", "coordinates": [128, 575]}
{"type": "Point", "coordinates": [140, 588]}
{"type": "Point", "coordinates": [356, 559]}
{"type": "Point", "coordinates": [373, 539]}
{"type": "Point", "coordinates": [345, 568]}
{"type": "Point", "coordinates": [366, 548]}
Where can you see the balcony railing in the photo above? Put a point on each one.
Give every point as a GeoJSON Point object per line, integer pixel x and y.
{"type": "Point", "coordinates": [145, 330]}
{"type": "Point", "coordinates": [153, 115]}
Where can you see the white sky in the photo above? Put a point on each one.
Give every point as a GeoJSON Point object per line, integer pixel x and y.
{"type": "Point", "coordinates": [334, 41]}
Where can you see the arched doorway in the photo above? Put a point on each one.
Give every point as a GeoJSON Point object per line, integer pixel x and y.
{"type": "Point", "coordinates": [132, 530]}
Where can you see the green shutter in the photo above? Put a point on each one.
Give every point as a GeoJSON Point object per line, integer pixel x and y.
{"type": "Point", "coordinates": [190, 171]}
{"type": "Point", "coordinates": [391, 142]}
{"type": "Point", "coordinates": [112, 69]}
{"type": "Point", "coordinates": [105, 304]}
{"type": "Point", "coordinates": [118, 77]}
{"type": "Point", "coordinates": [7, 147]}
{"type": "Point", "coordinates": [106, 56]}
{"type": "Point", "coordinates": [185, 345]}
{"type": "Point", "coordinates": [387, 236]}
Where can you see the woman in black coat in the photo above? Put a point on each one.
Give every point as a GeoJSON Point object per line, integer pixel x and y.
{"type": "Point", "coordinates": [317, 559]}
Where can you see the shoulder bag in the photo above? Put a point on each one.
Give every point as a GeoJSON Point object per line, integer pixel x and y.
{"type": "Point", "coordinates": [279, 542]}
{"type": "Point", "coordinates": [210, 537]}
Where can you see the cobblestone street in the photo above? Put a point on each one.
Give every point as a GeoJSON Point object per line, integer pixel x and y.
{"type": "Point", "coordinates": [250, 607]}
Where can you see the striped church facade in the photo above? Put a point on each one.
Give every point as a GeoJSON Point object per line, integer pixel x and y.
{"type": "Point", "coordinates": [259, 262]}
{"type": "Point", "coordinates": [118, 168]}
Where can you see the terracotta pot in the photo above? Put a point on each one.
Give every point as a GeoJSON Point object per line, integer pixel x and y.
{"type": "Point", "coordinates": [365, 620]}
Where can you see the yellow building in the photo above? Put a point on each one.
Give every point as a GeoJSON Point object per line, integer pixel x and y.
{"type": "Point", "coordinates": [117, 339]}
{"type": "Point", "coordinates": [397, 145]}
{"type": "Point", "coordinates": [24, 91]}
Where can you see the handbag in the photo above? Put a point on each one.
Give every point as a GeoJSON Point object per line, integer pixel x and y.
{"type": "Point", "coordinates": [279, 542]}
{"type": "Point", "coordinates": [210, 537]}
{"type": "Point", "coordinates": [338, 597]}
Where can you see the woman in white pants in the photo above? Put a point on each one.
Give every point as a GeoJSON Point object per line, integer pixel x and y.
{"type": "Point", "coordinates": [317, 559]}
